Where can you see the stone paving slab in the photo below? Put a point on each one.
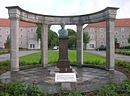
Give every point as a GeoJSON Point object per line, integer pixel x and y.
{"type": "Point", "coordinates": [88, 79]}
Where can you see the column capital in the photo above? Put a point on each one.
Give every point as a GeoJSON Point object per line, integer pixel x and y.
{"type": "Point", "coordinates": [14, 13]}
{"type": "Point", "coordinates": [111, 14]}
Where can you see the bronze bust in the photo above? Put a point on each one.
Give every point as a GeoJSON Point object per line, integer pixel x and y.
{"type": "Point", "coordinates": [62, 32]}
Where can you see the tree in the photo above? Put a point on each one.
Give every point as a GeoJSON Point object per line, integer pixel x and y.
{"type": "Point", "coordinates": [71, 32]}
{"type": "Point", "coordinates": [52, 36]}
{"type": "Point", "coordinates": [38, 31]}
{"type": "Point", "coordinates": [86, 38]}
{"type": "Point", "coordinates": [72, 39]}
{"type": "Point", "coordinates": [7, 43]}
{"type": "Point", "coordinates": [129, 40]}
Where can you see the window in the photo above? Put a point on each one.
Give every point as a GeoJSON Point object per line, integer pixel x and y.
{"type": "Point", "coordinates": [122, 29]}
{"type": "Point", "coordinates": [21, 36]}
{"type": "Point", "coordinates": [32, 46]}
{"type": "Point", "coordinates": [21, 29]}
{"type": "Point", "coordinates": [91, 45]}
{"type": "Point", "coordinates": [101, 29]}
{"type": "Point", "coordinates": [101, 35]}
{"type": "Point", "coordinates": [102, 43]}
{"type": "Point", "coordinates": [116, 32]}
{"type": "Point", "coordinates": [0, 35]}
{"type": "Point", "coordinates": [122, 42]}
{"type": "Point", "coordinates": [31, 29]}
{"type": "Point", "coordinates": [91, 29]}
{"type": "Point", "coordinates": [92, 36]}
{"type": "Point", "coordinates": [122, 36]}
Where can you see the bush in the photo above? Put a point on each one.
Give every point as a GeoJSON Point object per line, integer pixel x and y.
{"type": "Point", "coordinates": [108, 90]}
{"type": "Point", "coordinates": [123, 52]}
{"type": "Point", "coordinates": [4, 66]}
{"type": "Point", "coordinates": [124, 87]}
{"type": "Point", "coordinates": [114, 89]}
{"type": "Point", "coordinates": [124, 64]}
{"type": "Point", "coordinates": [20, 89]}
{"type": "Point", "coordinates": [125, 47]}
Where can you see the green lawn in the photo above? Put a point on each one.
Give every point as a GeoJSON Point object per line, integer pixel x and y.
{"type": "Point", "coordinates": [89, 58]}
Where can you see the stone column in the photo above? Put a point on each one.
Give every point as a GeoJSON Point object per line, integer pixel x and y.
{"type": "Point", "coordinates": [110, 46]}
{"type": "Point", "coordinates": [14, 50]}
{"type": "Point", "coordinates": [44, 45]}
{"type": "Point", "coordinates": [79, 54]}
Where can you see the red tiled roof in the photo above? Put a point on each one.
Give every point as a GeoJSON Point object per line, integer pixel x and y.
{"type": "Point", "coordinates": [118, 23]}
{"type": "Point", "coordinates": [6, 23]}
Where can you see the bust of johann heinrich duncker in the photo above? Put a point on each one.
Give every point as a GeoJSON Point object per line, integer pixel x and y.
{"type": "Point", "coordinates": [62, 32]}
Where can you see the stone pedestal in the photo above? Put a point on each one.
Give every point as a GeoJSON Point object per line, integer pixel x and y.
{"type": "Point", "coordinates": [63, 63]}
{"type": "Point", "coordinates": [66, 86]}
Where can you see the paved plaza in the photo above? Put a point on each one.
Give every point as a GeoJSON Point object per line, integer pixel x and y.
{"type": "Point", "coordinates": [88, 79]}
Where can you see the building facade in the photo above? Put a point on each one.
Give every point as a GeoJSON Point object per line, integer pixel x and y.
{"type": "Point", "coordinates": [27, 34]}
{"type": "Point", "coordinates": [97, 33]}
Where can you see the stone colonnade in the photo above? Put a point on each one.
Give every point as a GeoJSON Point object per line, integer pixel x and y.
{"type": "Point", "coordinates": [16, 14]}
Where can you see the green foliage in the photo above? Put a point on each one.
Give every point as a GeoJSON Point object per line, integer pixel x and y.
{"type": "Point", "coordinates": [71, 32]}
{"type": "Point", "coordinates": [125, 47]}
{"type": "Point", "coordinates": [8, 39]}
{"type": "Point", "coordinates": [124, 87]}
{"type": "Point", "coordinates": [129, 40]}
{"type": "Point", "coordinates": [4, 66]}
{"type": "Point", "coordinates": [4, 51]}
{"type": "Point", "coordinates": [75, 93]}
{"type": "Point", "coordinates": [124, 64]}
{"type": "Point", "coordinates": [14, 89]}
{"type": "Point", "coordinates": [52, 36]}
{"type": "Point", "coordinates": [86, 38]}
{"type": "Point", "coordinates": [52, 39]}
{"type": "Point", "coordinates": [116, 40]}
{"type": "Point", "coordinates": [72, 42]}
{"type": "Point", "coordinates": [20, 89]}
{"type": "Point", "coordinates": [108, 90]}
{"type": "Point", "coordinates": [123, 52]}
{"type": "Point", "coordinates": [33, 90]}
{"type": "Point", "coordinates": [38, 31]}
{"type": "Point", "coordinates": [53, 56]}
{"type": "Point", "coordinates": [113, 89]}
{"type": "Point", "coordinates": [23, 89]}
{"type": "Point", "coordinates": [30, 59]}
{"type": "Point", "coordinates": [72, 39]}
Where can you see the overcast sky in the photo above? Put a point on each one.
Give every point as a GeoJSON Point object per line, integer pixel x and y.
{"type": "Point", "coordinates": [66, 7]}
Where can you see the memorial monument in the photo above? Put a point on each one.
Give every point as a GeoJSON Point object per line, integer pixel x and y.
{"type": "Point", "coordinates": [63, 63]}
{"type": "Point", "coordinates": [90, 78]}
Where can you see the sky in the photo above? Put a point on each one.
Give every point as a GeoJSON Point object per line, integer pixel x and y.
{"type": "Point", "coordinates": [66, 7]}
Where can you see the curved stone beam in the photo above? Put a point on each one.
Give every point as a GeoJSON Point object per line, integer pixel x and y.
{"type": "Point", "coordinates": [107, 13]}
